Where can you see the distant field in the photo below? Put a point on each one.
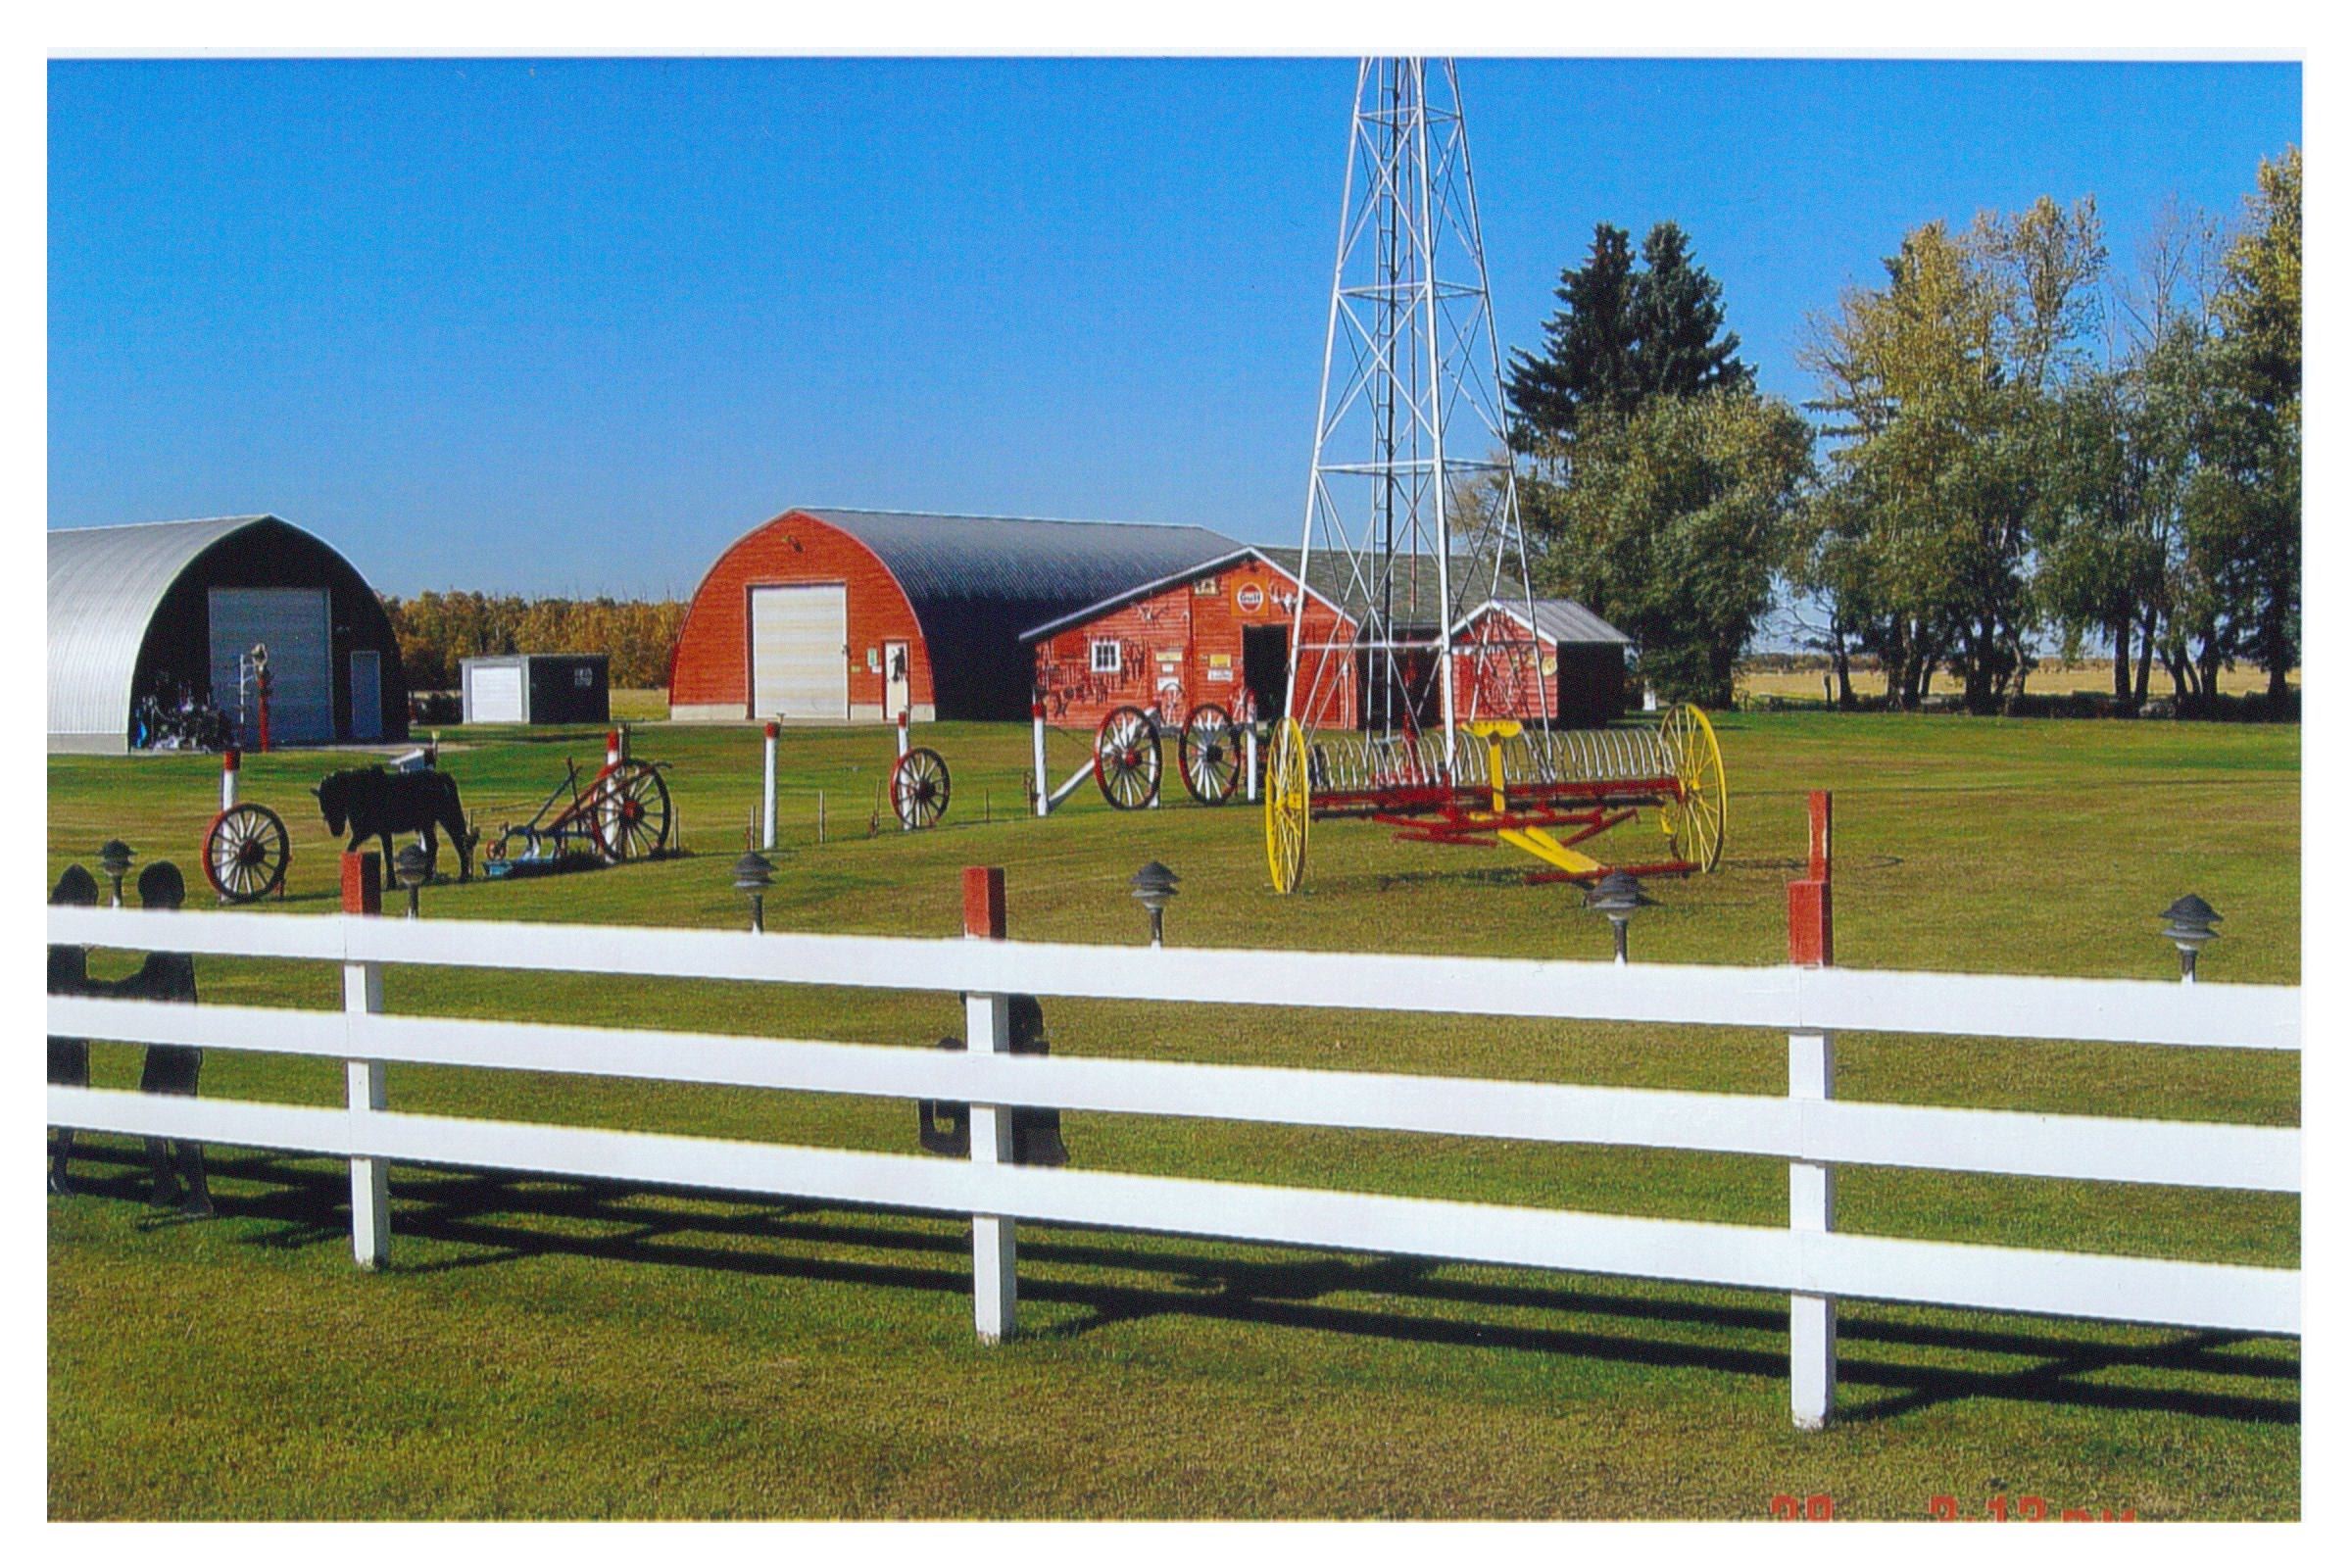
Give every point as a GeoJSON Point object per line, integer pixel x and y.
{"type": "Point", "coordinates": [639, 703]}
{"type": "Point", "coordinates": [552, 1348]}
{"type": "Point", "coordinates": [2051, 679]}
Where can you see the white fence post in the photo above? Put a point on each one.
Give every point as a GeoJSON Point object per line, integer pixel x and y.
{"type": "Point", "coordinates": [230, 760]}
{"type": "Point", "coordinates": [768, 789]}
{"type": "Point", "coordinates": [1812, 1186]}
{"type": "Point", "coordinates": [364, 1081]}
{"type": "Point", "coordinates": [1249, 759]}
{"type": "Point", "coordinates": [986, 1029]}
{"type": "Point", "coordinates": [1037, 759]}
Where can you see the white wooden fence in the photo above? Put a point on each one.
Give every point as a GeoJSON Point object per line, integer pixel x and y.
{"type": "Point", "coordinates": [1809, 1260]}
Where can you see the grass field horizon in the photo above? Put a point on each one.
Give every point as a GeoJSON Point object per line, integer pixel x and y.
{"type": "Point", "coordinates": [552, 1348]}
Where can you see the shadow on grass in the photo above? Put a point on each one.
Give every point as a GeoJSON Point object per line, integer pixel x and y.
{"type": "Point", "coordinates": [509, 1218]}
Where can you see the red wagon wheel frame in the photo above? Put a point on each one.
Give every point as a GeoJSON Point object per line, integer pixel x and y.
{"type": "Point", "coordinates": [1127, 760]}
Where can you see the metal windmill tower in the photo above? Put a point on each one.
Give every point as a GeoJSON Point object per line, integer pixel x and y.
{"type": "Point", "coordinates": [1412, 502]}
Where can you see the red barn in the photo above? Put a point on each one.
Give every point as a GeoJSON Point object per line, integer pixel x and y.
{"type": "Point", "coordinates": [1221, 633]}
{"type": "Point", "coordinates": [837, 616]}
{"type": "Point", "coordinates": [1572, 667]}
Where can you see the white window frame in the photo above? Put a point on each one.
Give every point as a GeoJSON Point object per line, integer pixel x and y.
{"type": "Point", "coordinates": [1097, 649]}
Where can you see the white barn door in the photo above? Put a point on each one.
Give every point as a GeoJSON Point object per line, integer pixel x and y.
{"type": "Point", "coordinates": [799, 653]}
{"type": "Point", "coordinates": [294, 624]}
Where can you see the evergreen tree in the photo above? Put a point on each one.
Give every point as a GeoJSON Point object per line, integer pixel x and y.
{"type": "Point", "coordinates": [1588, 358]}
{"type": "Point", "coordinates": [1679, 346]}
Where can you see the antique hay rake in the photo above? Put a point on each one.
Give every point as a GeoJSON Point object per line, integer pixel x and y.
{"type": "Point", "coordinates": [1542, 791]}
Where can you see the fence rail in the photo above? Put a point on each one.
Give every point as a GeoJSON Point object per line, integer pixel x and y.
{"type": "Point", "coordinates": [1814, 1132]}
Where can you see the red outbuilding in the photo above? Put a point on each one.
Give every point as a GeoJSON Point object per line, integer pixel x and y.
{"type": "Point", "coordinates": [1221, 633]}
{"type": "Point", "coordinates": [835, 616]}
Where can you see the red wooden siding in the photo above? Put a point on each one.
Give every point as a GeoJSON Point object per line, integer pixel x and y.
{"type": "Point", "coordinates": [712, 664]}
{"type": "Point", "coordinates": [1502, 671]}
{"type": "Point", "coordinates": [1181, 648]}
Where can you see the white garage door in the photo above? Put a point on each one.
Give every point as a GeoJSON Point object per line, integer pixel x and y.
{"type": "Point", "coordinates": [293, 623]}
{"type": "Point", "coordinates": [494, 695]}
{"type": "Point", "coordinates": [799, 653]}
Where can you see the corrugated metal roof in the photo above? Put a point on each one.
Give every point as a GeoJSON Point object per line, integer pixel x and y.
{"type": "Point", "coordinates": [105, 585]}
{"type": "Point", "coordinates": [1563, 620]}
{"type": "Point", "coordinates": [943, 559]}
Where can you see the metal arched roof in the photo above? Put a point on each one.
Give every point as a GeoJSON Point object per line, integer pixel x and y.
{"type": "Point", "coordinates": [942, 560]}
{"type": "Point", "coordinates": [105, 587]}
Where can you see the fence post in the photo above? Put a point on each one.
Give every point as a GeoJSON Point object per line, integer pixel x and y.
{"type": "Point", "coordinates": [1037, 759]}
{"type": "Point", "coordinates": [364, 1081]}
{"type": "Point", "coordinates": [1249, 759]}
{"type": "Point", "coordinates": [985, 1029]}
{"type": "Point", "coordinates": [230, 760]}
{"type": "Point", "coordinates": [1812, 1188]}
{"type": "Point", "coordinates": [768, 789]}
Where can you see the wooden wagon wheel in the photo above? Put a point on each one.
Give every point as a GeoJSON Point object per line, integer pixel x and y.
{"type": "Point", "coordinates": [1700, 816]}
{"type": "Point", "coordinates": [919, 788]}
{"type": "Point", "coordinates": [1127, 759]}
{"type": "Point", "coordinates": [628, 813]}
{"type": "Point", "coordinates": [1288, 797]}
{"type": "Point", "coordinates": [246, 853]}
{"type": "Point", "coordinates": [1209, 752]}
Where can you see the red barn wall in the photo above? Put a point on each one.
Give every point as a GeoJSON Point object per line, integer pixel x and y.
{"type": "Point", "coordinates": [1183, 647]}
{"type": "Point", "coordinates": [711, 668]}
{"type": "Point", "coordinates": [1502, 671]}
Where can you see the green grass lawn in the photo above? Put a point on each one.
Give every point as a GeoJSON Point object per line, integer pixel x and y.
{"type": "Point", "coordinates": [545, 1348]}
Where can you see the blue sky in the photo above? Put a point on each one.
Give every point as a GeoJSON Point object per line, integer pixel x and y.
{"type": "Point", "coordinates": [573, 325]}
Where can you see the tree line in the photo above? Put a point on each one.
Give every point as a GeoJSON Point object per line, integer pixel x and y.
{"type": "Point", "coordinates": [2014, 442]}
{"type": "Point", "coordinates": [436, 630]}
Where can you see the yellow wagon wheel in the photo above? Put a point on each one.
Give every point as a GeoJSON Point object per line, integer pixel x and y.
{"type": "Point", "coordinates": [1287, 794]}
{"type": "Point", "coordinates": [1697, 821]}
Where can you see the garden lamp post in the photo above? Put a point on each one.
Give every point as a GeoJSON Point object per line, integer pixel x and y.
{"type": "Point", "coordinates": [114, 858]}
{"type": "Point", "coordinates": [1155, 885]}
{"type": "Point", "coordinates": [2189, 924]}
{"type": "Point", "coordinates": [753, 874]}
{"type": "Point", "coordinates": [410, 868]}
{"type": "Point", "coordinates": [1617, 896]}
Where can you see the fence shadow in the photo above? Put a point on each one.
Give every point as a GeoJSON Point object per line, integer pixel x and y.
{"type": "Point", "coordinates": [508, 1217]}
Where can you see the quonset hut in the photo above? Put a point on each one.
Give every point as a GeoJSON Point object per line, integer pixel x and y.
{"type": "Point", "coordinates": [832, 616]}
{"type": "Point", "coordinates": [160, 608]}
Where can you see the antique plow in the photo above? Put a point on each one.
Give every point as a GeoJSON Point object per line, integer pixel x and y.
{"type": "Point", "coordinates": [620, 814]}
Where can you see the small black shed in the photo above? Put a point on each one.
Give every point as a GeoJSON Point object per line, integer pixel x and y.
{"type": "Point", "coordinates": [537, 689]}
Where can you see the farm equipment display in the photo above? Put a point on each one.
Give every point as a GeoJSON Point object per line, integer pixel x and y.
{"type": "Point", "coordinates": [623, 813]}
{"type": "Point", "coordinates": [1394, 710]}
{"type": "Point", "coordinates": [246, 849]}
{"type": "Point", "coordinates": [1126, 758]}
{"type": "Point", "coordinates": [1540, 791]}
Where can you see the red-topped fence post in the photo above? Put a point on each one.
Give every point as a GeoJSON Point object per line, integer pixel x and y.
{"type": "Point", "coordinates": [987, 1030]}
{"type": "Point", "coordinates": [1812, 1186]}
{"type": "Point", "coordinates": [364, 1081]}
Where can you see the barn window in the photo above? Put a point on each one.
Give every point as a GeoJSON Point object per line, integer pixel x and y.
{"type": "Point", "coordinates": [1105, 660]}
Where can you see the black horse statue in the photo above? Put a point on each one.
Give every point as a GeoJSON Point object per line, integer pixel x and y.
{"type": "Point", "coordinates": [375, 805]}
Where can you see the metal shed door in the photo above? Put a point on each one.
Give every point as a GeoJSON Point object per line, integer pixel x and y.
{"type": "Point", "coordinates": [800, 652]}
{"type": "Point", "coordinates": [293, 623]}
{"type": "Point", "coordinates": [493, 694]}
